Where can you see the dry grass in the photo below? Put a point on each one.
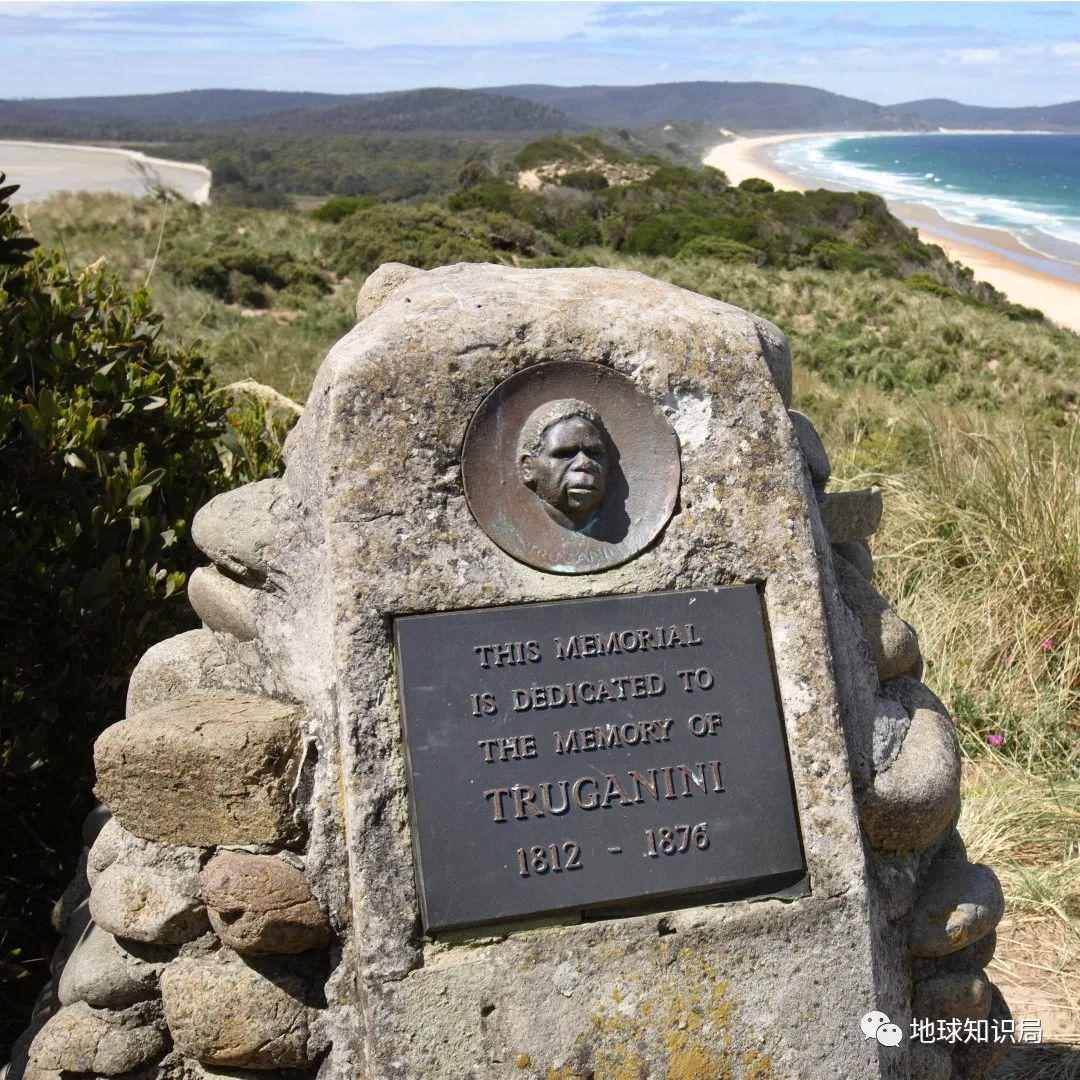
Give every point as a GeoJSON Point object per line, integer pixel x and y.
{"type": "Point", "coordinates": [1028, 829]}
{"type": "Point", "coordinates": [980, 550]}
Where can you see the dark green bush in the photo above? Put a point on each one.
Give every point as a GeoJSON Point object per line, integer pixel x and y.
{"type": "Point", "coordinates": [109, 441]}
{"type": "Point", "coordinates": [545, 151]}
{"type": "Point", "coordinates": [927, 284]}
{"type": "Point", "coordinates": [838, 255]}
{"type": "Point", "coordinates": [757, 185]}
{"type": "Point", "coordinates": [342, 206]}
{"type": "Point", "coordinates": [240, 274]}
{"type": "Point", "coordinates": [428, 236]}
{"type": "Point", "coordinates": [585, 180]}
{"type": "Point", "coordinates": [721, 249]}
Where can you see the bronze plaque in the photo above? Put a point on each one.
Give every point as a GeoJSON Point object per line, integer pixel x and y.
{"type": "Point", "coordinates": [570, 468]}
{"type": "Point", "coordinates": [594, 755]}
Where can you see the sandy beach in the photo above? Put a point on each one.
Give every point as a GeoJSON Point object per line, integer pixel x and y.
{"type": "Point", "coordinates": [40, 169]}
{"type": "Point", "coordinates": [994, 255]}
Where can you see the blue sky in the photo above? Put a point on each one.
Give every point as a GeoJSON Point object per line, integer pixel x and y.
{"type": "Point", "coordinates": [994, 54]}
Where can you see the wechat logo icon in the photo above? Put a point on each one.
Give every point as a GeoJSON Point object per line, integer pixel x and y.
{"type": "Point", "coordinates": [876, 1025]}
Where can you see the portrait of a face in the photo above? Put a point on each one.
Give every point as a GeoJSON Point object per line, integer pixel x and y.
{"type": "Point", "coordinates": [565, 460]}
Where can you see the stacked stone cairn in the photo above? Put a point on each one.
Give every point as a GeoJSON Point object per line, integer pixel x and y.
{"type": "Point", "coordinates": [908, 785]}
{"type": "Point", "coordinates": [207, 930]}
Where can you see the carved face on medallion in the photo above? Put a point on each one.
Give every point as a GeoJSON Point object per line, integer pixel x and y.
{"type": "Point", "coordinates": [570, 467]}
{"type": "Point", "coordinates": [564, 459]}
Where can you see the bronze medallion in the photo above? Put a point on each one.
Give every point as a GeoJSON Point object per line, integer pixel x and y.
{"type": "Point", "coordinates": [569, 468]}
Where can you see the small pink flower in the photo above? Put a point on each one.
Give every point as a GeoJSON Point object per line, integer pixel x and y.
{"type": "Point", "coordinates": [995, 739]}
{"type": "Point", "coordinates": [1047, 644]}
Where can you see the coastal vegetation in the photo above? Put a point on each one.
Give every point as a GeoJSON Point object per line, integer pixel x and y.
{"type": "Point", "coordinates": [962, 406]}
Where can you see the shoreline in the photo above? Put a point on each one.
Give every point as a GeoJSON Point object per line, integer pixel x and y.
{"type": "Point", "coordinates": [195, 192]}
{"type": "Point", "coordinates": [996, 256]}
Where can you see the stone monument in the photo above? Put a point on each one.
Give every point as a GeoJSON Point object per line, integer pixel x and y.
{"type": "Point", "coordinates": [545, 723]}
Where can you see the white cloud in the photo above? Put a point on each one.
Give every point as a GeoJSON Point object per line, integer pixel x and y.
{"type": "Point", "coordinates": [1066, 48]}
{"type": "Point", "coordinates": [978, 56]}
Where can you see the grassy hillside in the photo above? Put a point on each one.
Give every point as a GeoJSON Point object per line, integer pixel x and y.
{"type": "Point", "coordinates": [964, 408]}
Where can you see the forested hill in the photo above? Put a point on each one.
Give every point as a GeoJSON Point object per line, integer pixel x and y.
{"type": "Point", "coordinates": [501, 111]}
{"type": "Point", "coordinates": [941, 112]}
{"type": "Point", "coordinates": [209, 112]}
{"type": "Point", "coordinates": [437, 109]}
{"type": "Point", "coordinates": [744, 106]}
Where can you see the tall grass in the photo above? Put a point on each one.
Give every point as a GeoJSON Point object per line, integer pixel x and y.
{"type": "Point", "coordinates": [1028, 829]}
{"type": "Point", "coordinates": [980, 549]}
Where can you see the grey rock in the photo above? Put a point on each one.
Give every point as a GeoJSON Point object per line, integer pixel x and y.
{"type": "Point", "coordinates": [949, 847]}
{"type": "Point", "coordinates": [931, 1061]}
{"type": "Point", "coordinates": [106, 974]}
{"type": "Point", "coordinates": [896, 875]}
{"type": "Point", "coordinates": [174, 1066]}
{"type": "Point", "coordinates": [204, 770]}
{"type": "Point", "coordinates": [813, 449]}
{"type": "Point", "coordinates": [380, 284]}
{"type": "Point", "coordinates": [18, 1067]}
{"type": "Point", "coordinates": [199, 661]}
{"type": "Point", "coordinates": [972, 958]}
{"type": "Point", "coordinates": [851, 515]}
{"type": "Point", "coordinates": [146, 905]}
{"type": "Point", "coordinates": [914, 800]}
{"type": "Point", "coordinates": [891, 723]}
{"type": "Point", "coordinates": [77, 891]}
{"type": "Point", "coordinates": [84, 1040]}
{"type": "Point", "coordinates": [74, 930]}
{"type": "Point", "coordinates": [974, 1061]}
{"type": "Point", "coordinates": [223, 1012]}
{"type": "Point", "coordinates": [259, 904]}
{"type": "Point", "coordinates": [857, 552]}
{"type": "Point", "coordinates": [960, 903]}
{"type": "Point", "coordinates": [236, 529]}
{"type": "Point", "coordinates": [223, 604]}
{"type": "Point", "coordinates": [960, 995]}
{"type": "Point", "coordinates": [893, 643]}
{"type": "Point", "coordinates": [95, 821]}
{"type": "Point", "coordinates": [175, 667]}
{"type": "Point", "coordinates": [115, 844]}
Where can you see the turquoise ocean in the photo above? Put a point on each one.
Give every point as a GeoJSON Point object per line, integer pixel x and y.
{"type": "Point", "coordinates": [1026, 184]}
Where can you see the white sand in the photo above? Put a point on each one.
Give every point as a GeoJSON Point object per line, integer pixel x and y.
{"type": "Point", "coordinates": [1058, 298]}
{"type": "Point", "coordinates": [44, 168]}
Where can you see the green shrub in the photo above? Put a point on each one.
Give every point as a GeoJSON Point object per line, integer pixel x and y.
{"type": "Point", "coordinates": [239, 273]}
{"type": "Point", "coordinates": [838, 255]}
{"type": "Point", "coordinates": [757, 185]}
{"type": "Point", "coordinates": [584, 180]}
{"type": "Point", "coordinates": [545, 151]}
{"type": "Point", "coordinates": [721, 249]}
{"type": "Point", "coordinates": [427, 236]}
{"type": "Point", "coordinates": [926, 283]}
{"type": "Point", "coordinates": [109, 441]}
{"type": "Point", "coordinates": [341, 206]}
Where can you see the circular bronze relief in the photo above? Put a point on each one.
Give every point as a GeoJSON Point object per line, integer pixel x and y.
{"type": "Point", "coordinates": [568, 467]}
